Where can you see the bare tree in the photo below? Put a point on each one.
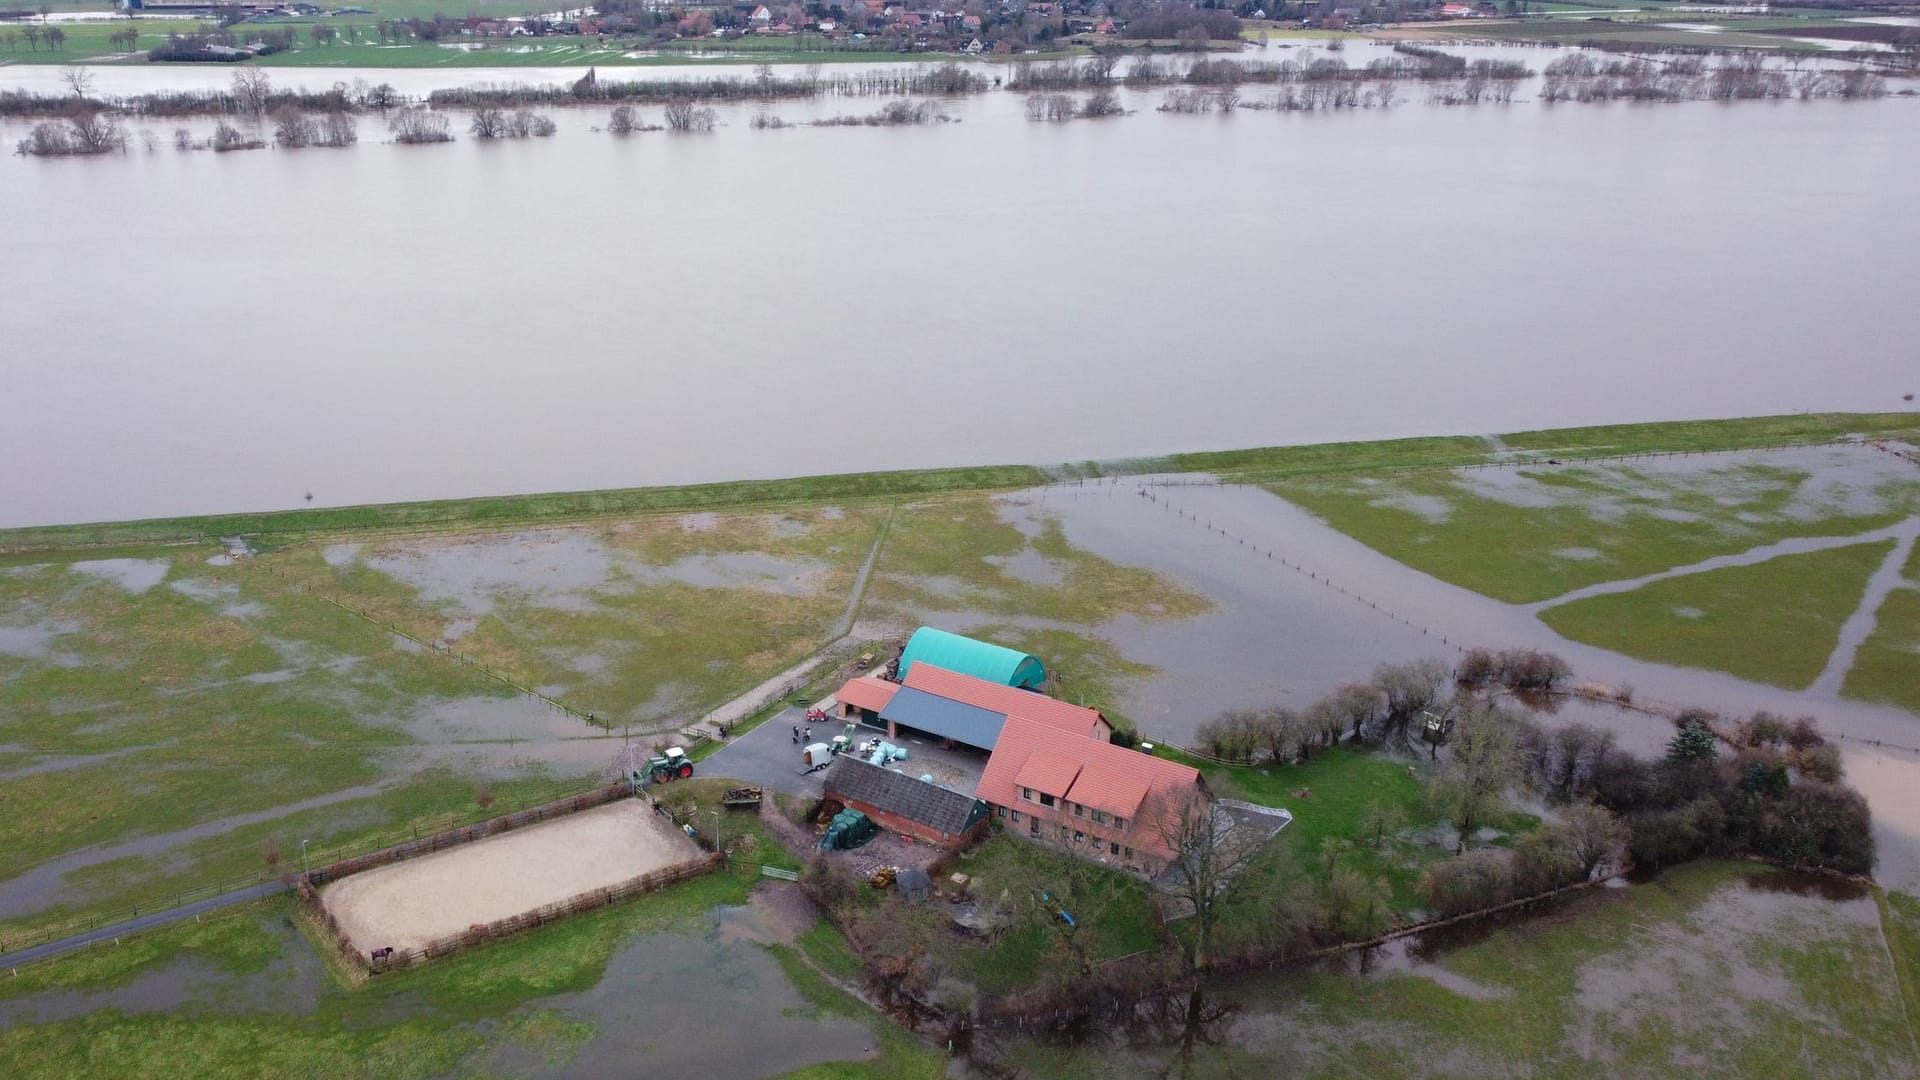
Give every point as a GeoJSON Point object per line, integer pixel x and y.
{"type": "Point", "coordinates": [293, 128]}
{"type": "Point", "coordinates": [1210, 851]}
{"type": "Point", "coordinates": [340, 130]}
{"type": "Point", "coordinates": [489, 123]}
{"type": "Point", "coordinates": [77, 79]}
{"type": "Point", "coordinates": [252, 89]}
{"type": "Point", "coordinates": [682, 115]}
{"type": "Point", "coordinates": [1481, 767]}
{"type": "Point", "coordinates": [413, 125]}
{"type": "Point", "coordinates": [621, 122]}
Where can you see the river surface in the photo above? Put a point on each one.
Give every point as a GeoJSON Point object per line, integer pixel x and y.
{"type": "Point", "coordinates": [198, 332]}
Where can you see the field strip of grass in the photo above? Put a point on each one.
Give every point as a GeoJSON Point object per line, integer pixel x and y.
{"type": "Point", "coordinates": [1775, 622]}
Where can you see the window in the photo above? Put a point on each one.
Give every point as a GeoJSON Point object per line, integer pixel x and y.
{"type": "Point", "coordinates": [1079, 837]}
{"type": "Point", "coordinates": [1065, 833]}
{"type": "Point", "coordinates": [1099, 817]}
{"type": "Point", "coordinates": [1026, 793]}
{"type": "Point", "coordinates": [1046, 799]}
{"type": "Point", "coordinates": [1113, 849]}
{"type": "Point", "coordinates": [1078, 810]}
{"type": "Point", "coordinates": [1120, 823]}
{"type": "Point", "coordinates": [1127, 851]}
{"type": "Point", "coordinates": [1016, 815]}
{"type": "Point", "coordinates": [1033, 827]}
{"type": "Point", "coordinates": [1000, 811]}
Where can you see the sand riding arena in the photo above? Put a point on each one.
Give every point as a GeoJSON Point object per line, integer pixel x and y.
{"type": "Point", "coordinates": [430, 905]}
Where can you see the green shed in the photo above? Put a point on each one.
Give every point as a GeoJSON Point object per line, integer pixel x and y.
{"type": "Point", "coordinates": [980, 659]}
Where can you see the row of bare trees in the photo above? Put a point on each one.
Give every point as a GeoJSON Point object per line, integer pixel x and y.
{"type": "Point", "coordinates": [492, 122]}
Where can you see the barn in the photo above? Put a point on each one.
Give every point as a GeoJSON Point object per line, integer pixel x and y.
{"type": "Point", "coordinates": [903, 804]}
{"type": "Point", "coordinates": [980, 659]}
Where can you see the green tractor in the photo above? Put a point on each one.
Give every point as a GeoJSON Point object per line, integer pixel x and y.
{"type": "Point", "coordinates": [673, 765]}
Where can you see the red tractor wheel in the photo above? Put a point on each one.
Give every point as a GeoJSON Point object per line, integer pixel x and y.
{"type": "Point", "coordinates": [686, 769]}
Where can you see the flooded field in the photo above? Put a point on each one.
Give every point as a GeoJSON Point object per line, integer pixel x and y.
{"type": "Point", "coordinates": [1557, 203]}
{"type": "Point", "coordinates": [1708, 970]}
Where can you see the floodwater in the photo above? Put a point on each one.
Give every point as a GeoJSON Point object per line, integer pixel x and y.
{"type": "Point", "coordinates": [1300, 608]}
{"type": "Point", "coordinates": [391, 322]}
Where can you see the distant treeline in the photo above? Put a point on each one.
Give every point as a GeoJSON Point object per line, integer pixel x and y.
{"type": "Point", "coordinates": [1423, 64]}
{"type": "Point", "coordinates": [764, 85]}
{"type": "Point", "coordinates": [21, 103]}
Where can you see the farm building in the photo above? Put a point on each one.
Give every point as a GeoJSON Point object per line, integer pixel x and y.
{"type": "Point", "coordinates": [903, 804]}
{"type": "Point", "coordinates": [959, 709]}
{"type": "Point", "coordinates": [1104, 802]}
{"type": "Point", "coordinates": [980, 659]}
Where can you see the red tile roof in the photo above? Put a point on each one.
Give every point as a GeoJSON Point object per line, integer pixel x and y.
{"type": "Point", "coordinates": [1049, 772]}
{"type": "Point", "coordinates": [1112, 778]}
{"type": "Point", "coordinates": [869, 692]}
{"type": "Point", "coordinates": [1006, 700]}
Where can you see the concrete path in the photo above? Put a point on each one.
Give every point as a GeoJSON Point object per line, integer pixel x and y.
{"type": "Point", "coordinates": [36, 953]}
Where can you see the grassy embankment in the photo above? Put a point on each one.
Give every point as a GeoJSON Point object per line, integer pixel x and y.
{"type": "Point", "coordinates": [1707, 971]}
{"type": "Point", "coordinates": [443, 515]}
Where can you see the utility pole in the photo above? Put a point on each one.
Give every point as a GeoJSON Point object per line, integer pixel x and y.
{"type": "Point", "coordinates": [717, 845]}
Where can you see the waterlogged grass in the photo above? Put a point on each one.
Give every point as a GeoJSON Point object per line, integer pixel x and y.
{"type": "Point", "coordinates": [1085, 669]}
{"type": "Point", "coordinates": [963, 554]}
{"type": "Point", "coordinates": [438, 1019]}
{"type": "Point", "coordinates": [1540, 532]}
{"type": "Point", "coordinates": [1704, 972]}
{"type": "Point", "coordinates": [695, 802]}
{"type": "Point", "coordinates": [216, 693]}
{"type": "Point", "coordinates": [637, 621]}
{"type": "Point", "coordinates": [1886, 668]}
{"type": "Point", "coordinates": [1775, 622]}
{"type": "Point", "coordinates": [809, 492]}
{"type": "Point", "coordinates": [902, 1055]}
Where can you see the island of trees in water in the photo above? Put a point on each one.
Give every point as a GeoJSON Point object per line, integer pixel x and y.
{"type": "Point", "coordinates": [83, 122]}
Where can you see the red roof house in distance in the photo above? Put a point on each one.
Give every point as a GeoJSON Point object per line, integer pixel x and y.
{"type": "Point", "coordinates": [1104, 802]}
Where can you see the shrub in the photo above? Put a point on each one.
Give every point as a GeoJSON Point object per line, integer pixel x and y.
{"type": "Point", "coordinates": [1478, 879]}
{"type": "Point", "coordinates": [1821, 763]}
{"type": "Point", "coordinates": [1825, 826]}
{"type": "Point", "coordinates": [830, 884]}
{"type": "Point", "coordinates": [1476, 669]}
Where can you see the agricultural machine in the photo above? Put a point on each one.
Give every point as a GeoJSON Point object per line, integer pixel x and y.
{"type": "Point", "coordinates": [672, 765]}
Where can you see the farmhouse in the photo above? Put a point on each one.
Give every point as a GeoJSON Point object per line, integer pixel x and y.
{"type": "Point", "coordinates": [903, 804]}
{"type": "Point", "coordinates": [1104, 802]}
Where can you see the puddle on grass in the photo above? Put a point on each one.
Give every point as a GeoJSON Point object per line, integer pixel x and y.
{"type": "Point", "coordinates": [65, 762]}
{"type": "Point", "coordinates": [737, 570]}
{"type": "Point", "coordinates": [32, 642]}
{"type": "Point", "coordinates": [1029, 567]}
{"type": "Point", "coordinates": [292, 983]}
{"type": "Point", "coordinates": [686, 1006]}
{"type": "Point", "coordinates": [134, 575]}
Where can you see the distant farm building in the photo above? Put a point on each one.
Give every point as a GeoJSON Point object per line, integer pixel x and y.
{"type": "Point", "coordinates": [903, 804]}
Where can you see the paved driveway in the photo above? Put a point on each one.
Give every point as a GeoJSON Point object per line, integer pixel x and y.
{"type": "Point", "coordinates": [769, 757]}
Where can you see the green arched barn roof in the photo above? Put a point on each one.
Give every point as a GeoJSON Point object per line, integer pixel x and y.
{"type": "Point", "coordinates": [980, 659]}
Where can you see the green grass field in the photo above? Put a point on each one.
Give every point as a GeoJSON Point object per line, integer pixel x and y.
{"type": "Point", "coordinates": [1538, 532]}
{"type": "Point", "coordinates": [1773, 622]}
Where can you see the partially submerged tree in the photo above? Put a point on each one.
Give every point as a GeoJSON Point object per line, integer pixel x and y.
{"type": "Point", "coordinates": [1481, 766]}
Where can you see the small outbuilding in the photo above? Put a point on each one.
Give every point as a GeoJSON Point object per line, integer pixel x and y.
{"type": "Point", "coordinates": [903, 804]}
{"type": "Point", "coordinates": [980, 659]}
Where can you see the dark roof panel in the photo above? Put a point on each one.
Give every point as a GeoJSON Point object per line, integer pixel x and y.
{"type": "Point", "coordinates": [945, 718]}
{"type": "Point", "coordinates": [938, 808]}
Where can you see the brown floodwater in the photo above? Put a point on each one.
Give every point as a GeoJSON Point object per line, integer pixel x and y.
{"type": "Point", "coordinates": [199, 332]}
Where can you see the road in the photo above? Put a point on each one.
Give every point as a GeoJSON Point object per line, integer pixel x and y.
{"type": "Point", "coordinates": [36, 953]}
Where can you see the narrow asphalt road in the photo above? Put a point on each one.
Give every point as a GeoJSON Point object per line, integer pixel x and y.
{"type": "Point", "coordinates": [35, 953]}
